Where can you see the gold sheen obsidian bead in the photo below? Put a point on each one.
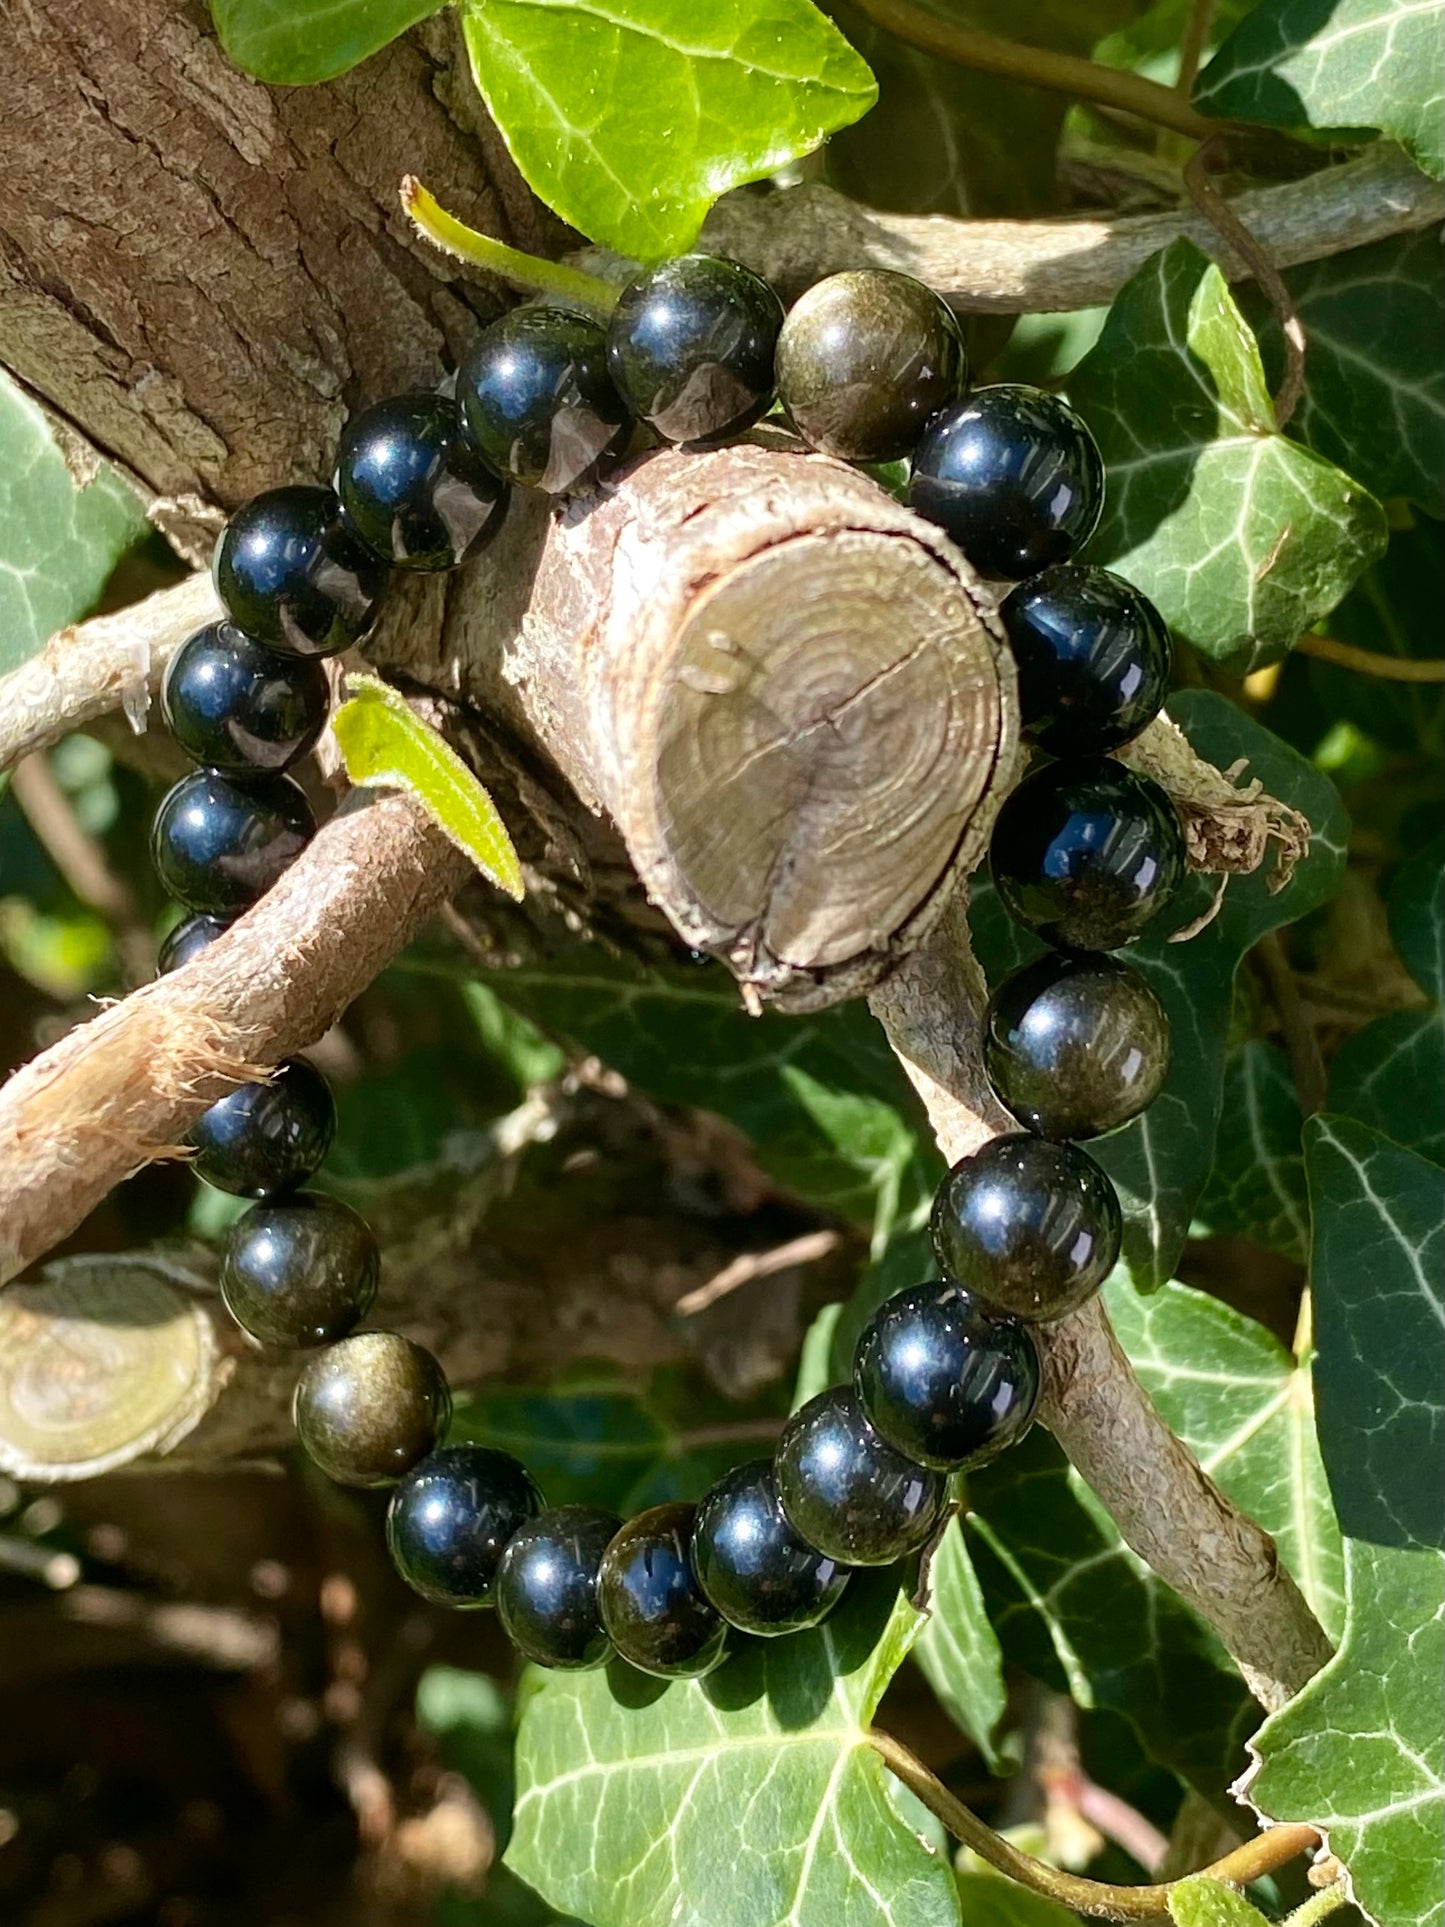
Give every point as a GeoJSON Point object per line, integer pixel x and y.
{"type": "Point", "coordinates": [367, 1409]}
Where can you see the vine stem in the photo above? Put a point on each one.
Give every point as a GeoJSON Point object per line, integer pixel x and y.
{"type": "Point", "coordinates": [1058, 73]}
{"type": "Point", "coordinates": [1368, 662]}
{"type": "Point", "coordinates": [526, 271]}
{"type": "Point", "coordinates": [1096, 1899]}
{"type": "Point", "coordinates": [1318, 1906]}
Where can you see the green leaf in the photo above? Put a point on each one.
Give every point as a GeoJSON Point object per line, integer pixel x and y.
{"type": "Point", "coordinates": [630, 118]}
{"type": "Point", "coordinates": [1374, 395]}
{"type": "Point", "coordinates": [1416, 907]}
{"type": "Point", "coordinates": [1161, 1162]}
{"type": "Point", "coordinates": [1391, 1076]}
{"type": "Point", "coordinates": [959, 1652]}
{"type": "Point", "coordinates": [295, 42]}
{"type": "Point", "coordinates": [1151, 43]}
{"type": "Point", "coordinates": [1376, 1269]}
{"type": "Point", "coordinates": [1242, 537]}
{"type": "Point", "coordinates": [1352, 64]}
{"type": "Point", "coordinates": [385, 743]}
{"type": "Point", "coordinates": [1202, 1902]}
{"type": "Point", "coordinates": [991, 1900]}
{"type": "Point", "coordinates": [58, 543]}
{"type": "Point", "coordinates": [1243, 1406]}
{"type": "Point", "coordinates": [1359, 1751]}
{"type": "Point", "coordinates": [748, 1799]}
{"type": "Point", "coordinates": [1256, 1189]}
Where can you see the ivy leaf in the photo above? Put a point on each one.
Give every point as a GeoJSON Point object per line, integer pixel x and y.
{"type": "Point", "coordinates": [1242, 537]}
{"type": "Point", "coordinates": [1372, 64]}
{"type": "Point", "coordinates": [1202, 1902]}
{"type": "Point", "coordinates": [631, 119]}
{"type": "Point", "coordinates": [1242, 1404]}
{"type": "Point", "coordinates": [386, 744]}
{"type": "Point", "coordinates": [1416, 908]}
{"type": "Point", "coordinates": [1374, 395]}
{"type": "Point", "coordinates": [1391, 1076]}
{"type": "Point", "coordinates": [1256, 1189]}
{"type": "Point", "coordinates": [992, 1900]}
{"type": "Point", "coordinates": [959, 1651]}
{"type": "Point", "coordinates": [1377, 1268]}
{"type": "Point", "coordinates": [1359, 1752]}
{"type": "Point", "coordinates": [295, 42]}
{"type": "Point", "coordinates": [748, 1798]}
{"type": "Point", "coordinates": [58, 542]}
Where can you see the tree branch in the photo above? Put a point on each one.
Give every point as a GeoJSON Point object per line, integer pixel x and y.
{"type": "Point", "coordinates": [1168, 1510]}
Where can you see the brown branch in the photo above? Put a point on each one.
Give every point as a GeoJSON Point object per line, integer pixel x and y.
{"type": "Point", "coordinates": [122, 1088]}
{"type": "Point", "coordinates": [1167, 1509]}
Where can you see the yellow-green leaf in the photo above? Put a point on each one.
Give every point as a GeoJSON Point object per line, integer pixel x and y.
{"type": "Point", "coordinates": [386, 745]}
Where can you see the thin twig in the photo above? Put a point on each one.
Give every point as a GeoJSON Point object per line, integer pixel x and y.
{"type": "Point", "coordinates": [1302, 1045]}
{"type": "Point", "coordinates": [1368, 662]}
{"type": "Point", "coordinates": [1213, 206]}
{"type": "Point", "coordinates": [1059, 73]}
{"type": "Point", "coordinates": [1192, 43]}
{"type": "Point", "coordinates": [750, 1265]}
{"type": "Point", "coordinates": [81, 861]}
{"type": "Point", "coordinates": [1097, 1899]}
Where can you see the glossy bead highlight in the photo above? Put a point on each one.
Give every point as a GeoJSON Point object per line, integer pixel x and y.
{"type": "Point", "coordinates": [944, 1382]}
{"type": "Point", "coordinates": [1014, 476]}
{"type": "Point", "coordinates": [370, 1407]}
{"type": "Point", "coordinates": [690, 348]}
{"type": "Point", "coordinates": [847, 1491]}
{"type": "Point", "coordinates": [864, 359]}
{"type": "Point", "coordinates": [236, 705]}
{"type": "Point", "coordinates": [546, 1587]}
{"type": "Point", "coordinates": [219, 842]}
{"type": "Point", "coordinates": [301, 1270]}
{"type": "Point", "coordinates": [1075, 1044]}
{"type": "Point", "coordinates": [761, 1576]}
{"type": "Point", "coordinates": [450, 1518]}
{"type": "Point", "coordinates": [190, 937]}
{"type": "Point", "coordinates": [1092, 655]}
{"type": "Point", "coordinates": [1087, 853]}
{"type": "Point", "coordinates": [655, 1612]}
{"type": "Point", "coordinates": [537, 400]}
{"type": "Point", "coordinates": [264, 1139]}
{"type": "Point", "coordinates": [1029, 1228]}
{"type": "Point", "coordinates": [413, 487]}
{"type": "Point", "coordinates": [290, 573]}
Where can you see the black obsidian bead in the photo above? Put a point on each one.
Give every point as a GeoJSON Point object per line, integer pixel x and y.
{"type": "Point", "coordinates": [537, 400]}
{"type": "Point", "coordinates": [301, 1271]}
{"type": "Point", "coordinates": [546, 1587]}
{"type": "Point", "coordinates": [236, 705]}
{"type": "Point", "coordinates": [1092, 655]}
{"type": "Point", "coordinates": [1013, 475]}
{"type": "Point", "coordinates": [219, 841]}
{"type": "Point", "coordinates": [690, 348]}
{"type": "Point", "coordinates": [369, 1407]}
{"type": "Point", "coordinates": [655, 1612]}
{"type": "Point", "coordinates": [1029, 1228]}
{"type": "Point", "coordinates": [412, 486]}
{"type": "Point", "coordinates": [1075, 1044]}
{"type": "Point", "coordinates": [847, 1491]}
{"type": "Point", "coordinates": [863, 361]}
{"type": "Point", "coordinates": [751, 1564]}
{"type": "Point", "coordinates": [291, 574]}
{"type": "Point", "coordinates": [189, 938]}
{"type": "Point", "coordinates": [943, 1381]}
{"type": "Point", "coordinates": [265, 1139]}
{"type": "Point", "coordinates": [1087, 853]}
{"type": "Point", "coordinates": [450, 1519]}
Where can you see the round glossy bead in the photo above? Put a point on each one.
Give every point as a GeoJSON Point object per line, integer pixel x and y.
{"type": "Point", "coordinates": [1075, 1044]}
{"type": "Point", "coordinates": [943, 1381]}
{"type": "Point", "coordinates": [546, 1589]}
{"type": "Point", "coordinates": [450, 1519]}
{"type": "Point", "coordinates": [1092, 656]}
{"type": "Point", "coordinates": [1029, 1228]}
{"type": "Point", "coordinates": [1087, 853]}
{"type": "Point", "coordinates": [538, 401]}
{"type": "Point", "coordinates": [236, 705]}
{"type": "Point", "coordinates": [189, 938]}
{"type": "Point", "coordinates": [863, 361]}
{"type": "Point", "coordinates": [1013, 475]}
{"type": "Point", "coordinates": [412, 486]}
{"type": "Point", "coordinates": [219, 841]}
{"type": "Point", "coordinates": [847, 1491]}
{"type": "Point", "coordinates": [750, 1562]}
{"type": "Point", "coordinates": [301, 1271]}
{"type": "Point", "coordinates": [656, 1614]}
{"type": "Point", "coordinates": [264, 1139]}
{"type": "Point", "coordinates": [290, 573]}
{"type": "Point", "coordinates": [368, 1408]}
{"type": "Point", "coordinates": [690, 348]}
